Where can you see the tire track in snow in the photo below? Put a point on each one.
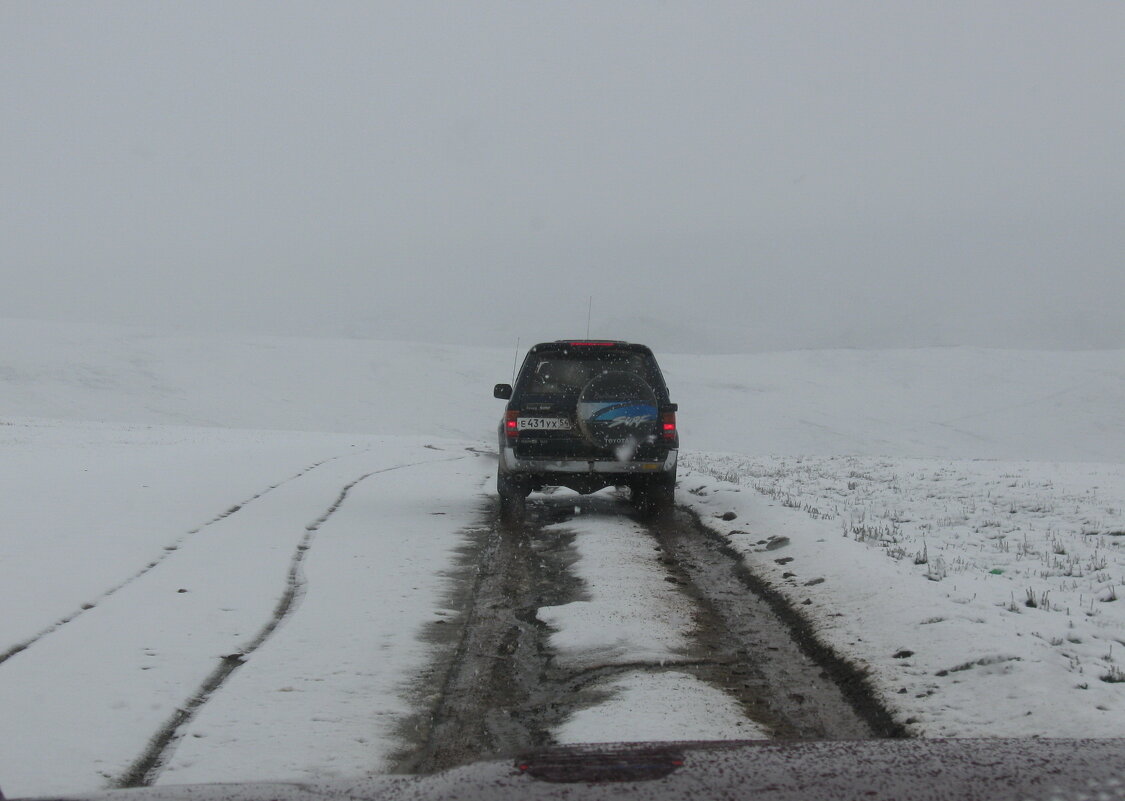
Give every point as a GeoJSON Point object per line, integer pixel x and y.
{"type": "Point", "coordinates": [147, 767]}
{"type": "Point", "coordinates": [492, 670]}
{"type": "Point", "coordinates": [166, 551]}
{"type": "Point", "coordinates": [807, 689]}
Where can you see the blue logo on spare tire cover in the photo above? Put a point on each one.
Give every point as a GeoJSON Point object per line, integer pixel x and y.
{"type": "Point", "coordinates": [617, 409]}
{"type": "Point", "coordinates": [617, 413]}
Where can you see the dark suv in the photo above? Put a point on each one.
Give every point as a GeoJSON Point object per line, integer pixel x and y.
{"type": "Point", "coordinates": [588, 415]}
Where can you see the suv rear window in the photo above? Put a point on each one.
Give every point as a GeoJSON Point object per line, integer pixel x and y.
{"type": "Point", "coordinates": [563, 372]}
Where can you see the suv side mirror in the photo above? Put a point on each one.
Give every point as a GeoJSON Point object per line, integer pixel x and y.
{"type": "Point", "coordinates": [503, 391]}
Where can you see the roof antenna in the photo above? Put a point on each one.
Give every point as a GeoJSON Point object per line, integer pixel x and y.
{"type": "Point", "coordinates": [589, 308]}
{"type": "Point", "coordinates": [515, 356]}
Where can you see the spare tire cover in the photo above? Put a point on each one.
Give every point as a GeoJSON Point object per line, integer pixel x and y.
{"type": "Point", "coordinates": [617, 410]}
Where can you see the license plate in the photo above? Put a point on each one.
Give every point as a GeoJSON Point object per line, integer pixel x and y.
{"type": "Point", "coordinates": [544, 424]}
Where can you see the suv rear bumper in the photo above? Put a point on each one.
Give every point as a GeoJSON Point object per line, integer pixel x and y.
{"type": "Point", "coordinates": [578, 465]}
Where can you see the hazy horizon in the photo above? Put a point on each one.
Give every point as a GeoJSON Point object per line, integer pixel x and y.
{"type": "Point", "coordinates": [728, 177]}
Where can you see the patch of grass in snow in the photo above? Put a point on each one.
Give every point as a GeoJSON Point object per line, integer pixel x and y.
{"type": "Point", "coordinates": [984, 661]}
{"type": "Point", "coordinates": [884, 503]}
{"type": "Point", "coordinates": [1115, 675]}
{"type": "Point", "coordinates": [1037, 600]}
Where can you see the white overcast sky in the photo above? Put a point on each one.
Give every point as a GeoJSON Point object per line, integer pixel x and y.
{"type": "Point", "coordinates": [716, 175]}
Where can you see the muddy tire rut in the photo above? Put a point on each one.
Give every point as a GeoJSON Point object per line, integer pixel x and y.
{"type": "Point", "coordinates": [496, 689]}
{"type": "Point", "coordinates": [773, 661]}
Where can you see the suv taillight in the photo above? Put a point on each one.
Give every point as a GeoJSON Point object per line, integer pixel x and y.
{"type": "Point", "coordinates": [668, 425]}
{"type": "Point", "coordinates": [511, 422]}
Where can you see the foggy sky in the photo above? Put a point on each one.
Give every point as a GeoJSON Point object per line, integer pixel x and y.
{"type": "Point", "coordinates": [717, 176]}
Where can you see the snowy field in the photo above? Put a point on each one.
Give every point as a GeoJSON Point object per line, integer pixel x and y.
{"type": "Point", "coordinates": [987, 598]}
{"type": "Point", "coordinates": [175, 506]}
{"type": "Point", "coordinates": [138, 561]}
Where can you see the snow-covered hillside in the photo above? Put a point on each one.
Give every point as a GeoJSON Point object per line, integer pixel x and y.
{"type": "Point", "coordinates": [956, 403]}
